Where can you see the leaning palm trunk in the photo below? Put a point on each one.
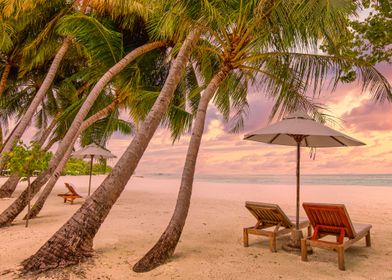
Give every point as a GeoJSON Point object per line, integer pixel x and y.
{"type": "Point", "coordinates": [167, 243]}
{"type": "Point", "coordinates": [39, 204]}
{"type": "Point", "coordinates": [8, 188]}
{"type": "Point", "coordinates": [26, 119]}
{"type": "Point", "coordinates": [51, 143]}
{"type": "Point", "coordinates": [20, 203]}
{"type": "Point", "coordinates": [9, 135]}
{"type": "Point", "coordinates": [74, 240]}
{"type": "Point", "coordinates": [4, 77]}
{"type": "Point", "coordinates": [1, 136]}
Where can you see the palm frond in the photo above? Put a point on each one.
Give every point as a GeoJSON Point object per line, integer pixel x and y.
{"type": "Point", "coordinates": [103, 43]}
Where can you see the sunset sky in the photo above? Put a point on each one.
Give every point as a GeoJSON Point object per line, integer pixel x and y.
{"type": "Point", "coordinates": [225, 153]}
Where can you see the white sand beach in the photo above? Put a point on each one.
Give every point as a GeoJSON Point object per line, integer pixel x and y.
{"type": "Point", "coordinates": [211, 244]}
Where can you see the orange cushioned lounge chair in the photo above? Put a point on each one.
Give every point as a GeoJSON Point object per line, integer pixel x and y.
{"type": "Point", "coordinates": [271, 222]}
{"type": "Point", "coordinates": [71, 195]}
{"type": "Point", "coordinates": [333, 219]}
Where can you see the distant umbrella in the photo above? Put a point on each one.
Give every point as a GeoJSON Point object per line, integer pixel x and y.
{"type": "Point", "coordinates": [299, 129]}
{"type": "Point", "coordinates": [91, 151]}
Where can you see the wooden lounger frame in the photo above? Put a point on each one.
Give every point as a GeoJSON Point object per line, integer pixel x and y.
{"type": "Point", "coordinates": [71, 195]}
{"type": "Point", "coordinates": [270, 215]}
{"type": "Point", "coordinates": [333, 219]}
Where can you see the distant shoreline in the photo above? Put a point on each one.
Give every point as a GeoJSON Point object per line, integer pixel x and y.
{"type": "Point", "coordinates": [307, 179]}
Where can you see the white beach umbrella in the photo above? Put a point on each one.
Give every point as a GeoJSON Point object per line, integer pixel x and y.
{"type": "Point", "coordinates": [91, 151]}
{"type": "Point", "coordinates": [299, 129]}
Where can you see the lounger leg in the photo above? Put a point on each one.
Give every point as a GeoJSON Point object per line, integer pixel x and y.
{"type": "Point", "coordinates": [309, 231]}
{"type": "Point", "coordinates": [304, 251]}
{"type": "Point", "coordinates": [368, 240]}
{"type": "Point", "coordinates": [340, 251]}
{"type": "Point", "coordinates": [72, 200]}
{"type": "Point", "coordinates": [272, 243]}
{"type": "Point", "coordinates": [65, 200]}
{"type": "Point", "coordinates": [246, 241]}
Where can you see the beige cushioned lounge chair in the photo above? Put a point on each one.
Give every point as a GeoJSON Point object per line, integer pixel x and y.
{"type": "Point", "coordinates": [271, 222]}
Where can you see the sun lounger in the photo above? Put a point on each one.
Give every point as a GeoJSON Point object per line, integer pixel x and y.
{"type": "Point", "coordinates": [333, 219]}
{"type": "Point", "coordinates": [71, 195]}
{"type": "Point", "coordinates": [271, 222]}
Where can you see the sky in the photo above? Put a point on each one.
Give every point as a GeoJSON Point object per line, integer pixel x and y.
{"type": "Point", "coordinates": [223, 153]}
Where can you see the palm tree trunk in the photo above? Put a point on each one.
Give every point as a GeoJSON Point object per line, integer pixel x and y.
{"type": "Point", "coordinates": [74, 240]}
{"type": "Point", "coordinates": [48, 130]}
{"type": "Point", "coordinates": [4, 77]}
{"type": "Point", "coordinates": [8, 138]}
{"type": "Point", "coordinates": [1, 136]}
{"type": "Point", "coordinates": [167, 243]}
{"type": "Point", "coordinates": [50, 144]}
{"type": "Point", "coordinates": [39, 204]}
{"type": "Point", "coordinates": [26, 119]}
{"type": "Point", "coordinates": [20, 203]}
{"type": "Point", "coordinates": [8, 188]}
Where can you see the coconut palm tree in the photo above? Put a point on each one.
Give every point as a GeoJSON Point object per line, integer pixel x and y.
{"type": "Point", "coordinates": [84, 30]}
{"type": "Point", "coordinates": [244, 50]}
{"type": "Point", "coordinates": [20, 203]}
{"type": "Point", "coordinates": [139, 102]}
{"type": "Point", "coordinates": [93, 212]}
{"type": "Point", "coordinates": [17, 31]}
{"type": "Point", "coordinates": [60, 53]}
{"type": "Point", "coordinates": [61, 95]}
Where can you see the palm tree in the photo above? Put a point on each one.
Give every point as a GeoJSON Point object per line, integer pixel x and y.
{"type": "Point", "coordinates": [238, 45]}
{"type": "Point", "coordinates": [84, 29]}
{"type": "Point", "coordinates": [26, 119]}
{"type": "Point", "coordinates": [138, 101]}
{"type": "Point", "coordinates": [94, 211]}
{"type": "Point", "coordinates": [20, 203]}
{"type": "Point", "coordinates": [16, 33]}
{"type": "Point", "coordinates": [58, 98]}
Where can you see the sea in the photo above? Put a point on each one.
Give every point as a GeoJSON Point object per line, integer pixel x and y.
{"type": "Point", "coordinates": [306, 179]}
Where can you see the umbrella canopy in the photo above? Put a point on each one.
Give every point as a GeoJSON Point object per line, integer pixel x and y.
{"type": "Point", "coordinates": [91, 151]}
{"type": "Point", "coordinates": [299, 129]}
{"type": "Point", "coordinates": [314, 134]}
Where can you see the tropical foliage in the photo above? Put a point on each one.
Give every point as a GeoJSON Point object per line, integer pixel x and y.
{"type": "Point", "coordinates": [27, 160]}
{"type": "Point", "coordinates": [81, 167]}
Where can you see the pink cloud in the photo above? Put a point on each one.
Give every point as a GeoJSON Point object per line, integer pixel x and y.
{"type": "Point", "coordinates": [369, 116]}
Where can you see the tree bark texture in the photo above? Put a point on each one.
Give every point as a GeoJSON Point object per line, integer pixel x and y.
{"type": "Point", "coordinates": [168, 241]}
{"type": "Point", "coordinates": [26, 119]}
{"type": "Point", "coordinates": [1, 136]}
{"type": "Point", "coordinates": [4, 77]}
{"type": "Point", "coordinates": [20, 203]}
{"type": "Point", "coordinates": [8, 188]}
{"type": "Point", "coordinates": [8, 137]}
{"type": "Point", "coordinates": [74, 240]}
{"type": "Point", "coordinates": [47, 131]}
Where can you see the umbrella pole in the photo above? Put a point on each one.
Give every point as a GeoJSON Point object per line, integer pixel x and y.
{"type": "Point", "coordinates": [91, 170]}
{"type": "Point", "coordinates": [298, 182]}
{"type": "Point", "coordinates": [294, 244]}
